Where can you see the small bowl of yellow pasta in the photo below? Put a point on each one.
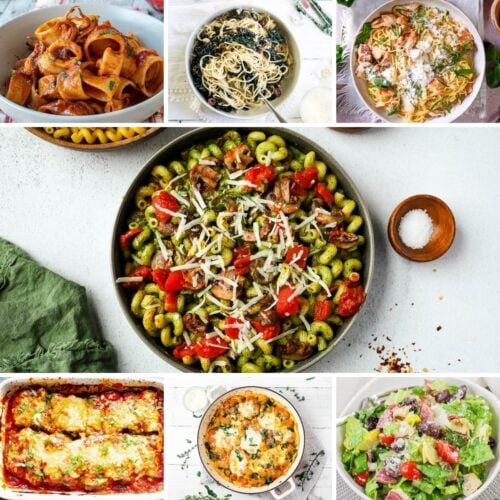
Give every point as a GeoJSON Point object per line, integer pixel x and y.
{"type": "Point", "coordinates": [93, 138]}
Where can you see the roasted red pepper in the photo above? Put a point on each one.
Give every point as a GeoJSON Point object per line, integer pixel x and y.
{"type": "Point", "coordinates": [162, 202]}
{"type": "Point", "coordinates": [298, 254]}
{"type": "Point", "coordinates": [174, 282]}
{"type": "Point", "coordinates": [321, 191]}
{"type": "Point", "coordinates": [182, 350]}
{"type": "Point", "coordinates": [230, 328]}
{"type": "Point", "coordinates": [170, 303]}
{"type": "Point", "coordinates": [322, 309]}
{"type": "Point", "coordinates": [287, 306]}
{"type": "Point", "coordinates": [126, 237]}
{"type": "Point", "coordinates": [210, 348]}
{"type": "Point", "coordinates": [352, 299]}
{"type": "Point", "coordinates": [306, 178]}
{"type": "Point", "coordinates": [141, 271]}
{"type": "Point", "coordinates": [241, 259]}
{"type": "Point", "coordinates": [260, 176]}
{"type": "Point", "coordinates": [268, 331]}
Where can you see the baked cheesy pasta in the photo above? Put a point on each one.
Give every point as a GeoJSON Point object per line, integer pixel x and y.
{"type": "Point", "coordinates": [417, 61]}
{"type": "Point", "coordinates": [85, 439]}
{"type": "Point", "coordinates": [80, 67]}
{"type": "Point", "coordinates": [91, 135]}
{"type": "Point", "coordinates": [251, 440]}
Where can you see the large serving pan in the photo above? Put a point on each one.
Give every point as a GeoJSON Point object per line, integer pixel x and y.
{"type": "Point", "coordinates": [173, 150]}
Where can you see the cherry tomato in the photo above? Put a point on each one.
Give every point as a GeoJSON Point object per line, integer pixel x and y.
{"type": "Point", "coordinates": [306, 178]}
{"type": "Point", "coordinates": [182, 350]}
{"type": "Point", "coordinates": [321, 191]}
{"type": "Point", "coordinates": [174, 282]}
{"type": "Point", "coordinates": [268, 331]}
{"type": "Point", "coordinates": [159, 277]}
{"type": "Point", "coordinates": [229, 327]}
{"type": "Point", "coordinates": [322, 309]}
{"type": "Point", "coordinates": [447, 452]}
{"type": "Point", "coordinates": [241, 259]}
{"type": "Point", "coordinates": [260, 176]}
{"type": "Point", "coordinates": [362, 478]}
{"type": "Point", "coordinates": [386, 440]}
{"type": "Point", "coordinates": [298, 255]}
{"type": "Point", "coordinates": [210, 348]}
{"type": "Point", "coordinates": [352, 299]}
{"type": "Point", "coordinates": [164, 201]}
{"type": "Point", "coordinates": [170, 303]}
{"type": "Point", "coordinates": [126, 237]}
{"type": "Point", "coordinates": [140, 271]}
{"type": "Point", "coordinates": [409, 471]}
{"type": "Point", "coordinates": [287, 306]}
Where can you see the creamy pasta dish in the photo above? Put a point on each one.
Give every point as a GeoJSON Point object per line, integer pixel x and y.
{"type": "Point", "coordinates": [80, 67]}
{"type": "Point", "coordinates": [239, 59]}
{"type": "Point", "coordinates": [417, 61]}
{"type": "Point", "coordinates": [251, 440]}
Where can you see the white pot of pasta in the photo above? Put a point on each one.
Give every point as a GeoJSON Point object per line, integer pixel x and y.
{"type": "Point", "coordinates": [237, 58]}
{"type": "Point", "coordinates": [251, 440]}
{"type": "Point", "coordinates": [417, 62]}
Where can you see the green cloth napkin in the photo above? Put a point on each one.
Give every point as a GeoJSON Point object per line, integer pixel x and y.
{"type": "Point", "coordinates": [45, 323]}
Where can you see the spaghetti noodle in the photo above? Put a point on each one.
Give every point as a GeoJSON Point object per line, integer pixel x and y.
{"type": "Point", "coordinates": [239, 59]}
{"type": "Point", "coordinates": [417, 61]}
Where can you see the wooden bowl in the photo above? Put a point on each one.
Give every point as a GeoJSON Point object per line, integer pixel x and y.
{"type": "Point", "coordinates": [442, 236]}
{"type": "Point", "coordinates": [39, 132]}
{"type": "Point", "coordinates": [495, 14]}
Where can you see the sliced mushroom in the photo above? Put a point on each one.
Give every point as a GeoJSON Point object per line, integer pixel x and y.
{"type": "Point", "coordinates": [336, 217]}
{"type": "Point", "coordinates": [343, 239]}
{"type": "Point", "coordinates": [223, 289]}
{"type": "Point", "coordinates": [238, 158]}
{"type": "Point", "coordinates": [294, 350]}
{"type": "Point", "coordinates": [194, 279]}
{"type": "Point", "coordinates": [193, 324]}
{"type": "Point", "coordinates": [167, 228]}
{"type": "Point", "coordinates": [206, 174]}
{"type": "Point", "coordinates": [159, 262]}
{"type": "Point", "coordinates": [282, 196]}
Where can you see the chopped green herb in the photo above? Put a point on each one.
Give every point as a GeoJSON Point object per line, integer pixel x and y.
{"type": "Point", "coordinates": [364, 33]}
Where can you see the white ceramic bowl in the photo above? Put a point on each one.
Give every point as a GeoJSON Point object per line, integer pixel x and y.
{"type": "Point", "coordinates": [13, 46]}
{"type": "Point", "coordinates": [479, 62]}
{"type": "Point", "coordinates": [379, 385]}
{"type": "Point", "coordinates": [287, 85]}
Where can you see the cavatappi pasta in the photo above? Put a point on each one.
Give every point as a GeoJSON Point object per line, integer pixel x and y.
{"type": "Point", "coordinates": [80, 67]}
{"type": "Point", "coordinates": [90, 135]}
{"type": "Point", "coordinates": [239, 59]}
{"type": "Point", "coordinates": [84, 439]}
{"type": "Point", "coordinates": [251, 440]}
{"type": "Point", "coordinates": [243, 254]}
{"type": "Point", "coordinates": [417, 61]}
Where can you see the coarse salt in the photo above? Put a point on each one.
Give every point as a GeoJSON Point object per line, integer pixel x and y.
{"type": "Point", "coordinates": [416, 228]}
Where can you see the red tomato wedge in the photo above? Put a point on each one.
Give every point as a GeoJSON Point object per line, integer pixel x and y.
{"type": "Point", "coordinates": [210, 348]}
{"type": "Point", "coordinates": [321, 191]}
{"type": "Point", "coordinates": [140, 271]}
{"type": "Point", "coordinates": [306, 178]}
{"type": "Point", "coordinates": [352, 299]}
{"type": "Point", "coordinates": [286, 305]}
{"type": "Point", "coordinates": [260, 176]}
{"type": "Point", "coordinates": [298, 255]}
{"type": "Point", "coordinates": [126, 237]}
{"type": "Point", "coordinates": [362, 478]}
{"type": "Point", "coordinates": [170, 303]}
{"type": "Point", "coordinates": [447, 452]}
{"type": "Point", "coordinates": [409, 471]}
{"type": "Point", "coordinates": [322, 309]}
{"type": "Point", "coordinates": [230, 329]}
{"type": "Point", "coordinates": [182, 350]}
{"type": "Point", "coordinates": [174, 282]}
{"type": "Point", "coordinates": [268, 331]}
{"type": "Point", "coordinates": [163, 203]}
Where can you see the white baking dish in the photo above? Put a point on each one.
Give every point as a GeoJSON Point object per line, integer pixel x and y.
{"type": "Point", "coordinates": [11, 385]}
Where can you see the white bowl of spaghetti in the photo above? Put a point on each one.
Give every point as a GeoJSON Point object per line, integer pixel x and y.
{"type": "Point", "coordinates": [238, 57]}
{"type": "Point", "coordinates": [417, 62]}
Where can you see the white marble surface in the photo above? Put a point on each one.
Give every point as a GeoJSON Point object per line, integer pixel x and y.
{"type": "Point", "coordinates": [311, 397]}
{"type": "Point", "coordinates": [60, 205]}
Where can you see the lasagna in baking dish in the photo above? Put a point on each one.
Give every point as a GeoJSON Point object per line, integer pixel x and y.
{"type": "Point", "coordinates": [251, 440]}
{"type": "Point", "coordinates": [84, 438]}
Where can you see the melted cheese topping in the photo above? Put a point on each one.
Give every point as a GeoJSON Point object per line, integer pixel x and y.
{"type": "Point", "coordinates": [251, 440]}
{"type": "Point", "coordinates": [89, 442]}
{"type": "Point", "coordinates": [107, 412]}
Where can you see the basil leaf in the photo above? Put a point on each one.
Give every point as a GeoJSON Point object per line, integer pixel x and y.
{"type": "Point", "coordinates": [463, 72]}
{"type": "Point", "coordinates": [347, 3]}
{"type": "Point", "coordinates": [364, 33]}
